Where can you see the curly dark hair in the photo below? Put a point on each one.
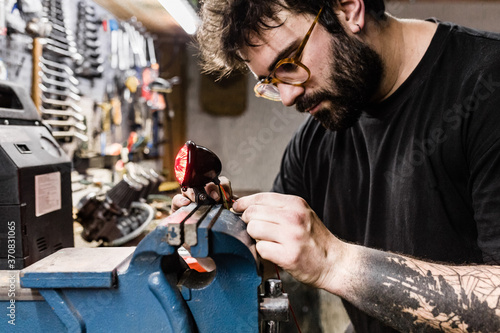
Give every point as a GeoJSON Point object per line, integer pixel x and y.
{"type": "Point", "coordinates": [227, 26]}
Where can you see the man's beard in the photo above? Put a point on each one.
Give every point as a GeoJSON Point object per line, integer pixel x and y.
{"type": "Point", "coordinates": [356, 74]}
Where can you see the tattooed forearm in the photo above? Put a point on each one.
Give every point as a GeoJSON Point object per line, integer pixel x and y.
{"type": "Point", "coordinates": [415, 296]}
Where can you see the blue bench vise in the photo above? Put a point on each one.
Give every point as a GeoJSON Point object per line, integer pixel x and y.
{"type": "Point", "coordinates": [149, 288]}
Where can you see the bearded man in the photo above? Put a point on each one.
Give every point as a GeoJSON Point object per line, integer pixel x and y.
{"type": "Point", "coordinates": [389, 194]}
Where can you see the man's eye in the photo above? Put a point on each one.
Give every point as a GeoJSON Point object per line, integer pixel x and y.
{"type": "Point", "coordinates": [286, 68]}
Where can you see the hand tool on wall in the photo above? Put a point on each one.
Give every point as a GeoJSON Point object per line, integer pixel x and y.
{"type": "Point", "coordinates": [61, 66]}
{"type": "Point", "coordinates": [37, 29]}
{"type": "Point", "coordinates": [67, 136]}
{"type": "Point", "coordinates": [60, 93]}
{"type": "Point", "coordinates": [88, 28]}
{"type": "Point", "coordinates": [151, 50]}
{"type": "Point", "coordinates": [66, 124]}
{"type": "Point", "coordinates": [105, 125]}
{"type": "Point", "coordinates": [70, 49]}
{"type": "Point", "coordinates": [113, 28]}
{"type": "Point", "coordinates": [47, 102]}
{"type": "Point", "coordinates": [64, 114]}
{"type": "Point", "coordinates": [136, 44]}
{"type": "Point", "coordinates": [116, 114]}
{"type": "Point", "coordinates": [58, 74]}
{"type": "Point", "coordinates": [123, 51]}
{"type": "Point", "coordinates": [66, 84]}
{"type": "Point", "coordinates": [62, 39]}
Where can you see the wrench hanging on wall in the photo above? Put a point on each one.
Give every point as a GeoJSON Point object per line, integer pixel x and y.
{"type": "Point", "coordinates": [88, 28]}
{"type": "Point", "coordinates": [57, 84]}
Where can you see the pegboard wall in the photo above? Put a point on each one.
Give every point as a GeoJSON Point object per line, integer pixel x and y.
{"type": "Point", "coordinates": [91, 74]}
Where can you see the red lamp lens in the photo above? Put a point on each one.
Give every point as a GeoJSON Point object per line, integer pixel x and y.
{"type": "Point", "coordinates": [180, 166]}
{"type": "Point", "coordinates": [195, 166]}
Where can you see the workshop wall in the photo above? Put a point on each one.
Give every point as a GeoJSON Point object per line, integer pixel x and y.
{"type": "Point", "coordinates": [18, 55]}
{"type": "Point", "coordinates": [88, 69]}
{"type": "Point", "coordinates": [250, 145]}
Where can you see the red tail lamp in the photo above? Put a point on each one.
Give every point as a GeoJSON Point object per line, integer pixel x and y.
{"type": "Point", "coordinates": [195, 166]}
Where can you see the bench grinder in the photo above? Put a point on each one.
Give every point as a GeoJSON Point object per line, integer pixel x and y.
{"type": "Point", "coordinates": [35, 182]}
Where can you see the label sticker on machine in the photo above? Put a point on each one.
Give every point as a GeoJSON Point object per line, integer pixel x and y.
{"type": "Point", "coordinates": [47, 193]}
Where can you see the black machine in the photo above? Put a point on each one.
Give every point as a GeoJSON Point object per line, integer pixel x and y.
{"type": "Point", "coordinates": [35, 184]}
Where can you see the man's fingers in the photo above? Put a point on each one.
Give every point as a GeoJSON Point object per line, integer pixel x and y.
{"type": "Point", "coordinates": [264, 230]}
{"type": "Point", "coordinates": [265, 213]}
{"type": "Point", "coordinates": [189, 193]}
{"type": "Point", "coordinates": [274, 252]}
{"type": "Point", "coordinates": [213, 191]}
{"type": "Point", "coordinates": [180, 200]}
{"type": "Point", "coordinates": [266, 199]}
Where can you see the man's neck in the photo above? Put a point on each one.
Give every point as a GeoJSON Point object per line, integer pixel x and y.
{"type": "Point", "coordinates": [402, 45]}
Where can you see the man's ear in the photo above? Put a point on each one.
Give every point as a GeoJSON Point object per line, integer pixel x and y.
{"type": "Point", "coordinates": [353, 13]}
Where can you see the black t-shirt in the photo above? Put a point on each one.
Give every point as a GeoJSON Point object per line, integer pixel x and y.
{"type": "Point", "coordinates": [419, 174]}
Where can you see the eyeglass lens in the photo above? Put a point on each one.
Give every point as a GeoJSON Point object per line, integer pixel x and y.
{"type": "Point", "coordinates": [291, 73]}
{"type": "Point", "coordinates": [268, 91]}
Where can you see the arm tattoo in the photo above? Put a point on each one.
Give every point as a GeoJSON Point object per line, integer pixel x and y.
{"type": "Point", "coordinates": [412, 295]}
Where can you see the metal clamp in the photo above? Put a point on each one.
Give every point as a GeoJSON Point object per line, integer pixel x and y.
{"type": "Point", "coordinates": [274, 306]}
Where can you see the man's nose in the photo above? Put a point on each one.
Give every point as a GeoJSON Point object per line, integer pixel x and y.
{"type": "Point", "coordinates": [289, 93]}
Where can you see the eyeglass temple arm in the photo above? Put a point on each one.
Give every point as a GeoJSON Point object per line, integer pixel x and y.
{"type": "Point", "coordinates": [306, 38]}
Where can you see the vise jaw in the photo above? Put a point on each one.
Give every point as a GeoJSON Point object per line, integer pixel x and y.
{"type": "Point", "coordinates": [147, 288]}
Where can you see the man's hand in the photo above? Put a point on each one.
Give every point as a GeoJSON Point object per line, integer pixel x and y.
{"type": "Point", "coordinates": [184, 199]}
{"type": "Point", "coordinates": [290, 234]}
{"type": "Point", "coordinates": [405, 293]}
